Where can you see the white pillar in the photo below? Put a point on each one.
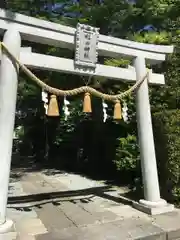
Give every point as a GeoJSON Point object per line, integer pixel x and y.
{"type": "Point", "coordinates": [8, 94]}
{"type": "Point", "coordinates": [146, 140]}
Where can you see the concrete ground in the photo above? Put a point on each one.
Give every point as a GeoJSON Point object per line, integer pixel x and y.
{"type": "Point", "coordinates": [54, 206]}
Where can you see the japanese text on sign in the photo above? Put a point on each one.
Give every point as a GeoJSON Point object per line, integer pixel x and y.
{"type": "Point", "coordinates": [86, 46]}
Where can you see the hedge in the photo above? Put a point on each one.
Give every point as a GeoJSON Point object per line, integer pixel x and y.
{"type": "Point", "coordinates": [167, 142]}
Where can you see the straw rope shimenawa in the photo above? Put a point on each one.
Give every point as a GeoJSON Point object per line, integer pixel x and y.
{"type": "Point", "coordinates": [83, 89]}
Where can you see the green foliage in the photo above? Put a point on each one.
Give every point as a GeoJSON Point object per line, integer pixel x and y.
{"type": "Point", "coordinates": [167, 131]}
{"type": "Point", "coordinates": [127, 154]}
{"type": "Point", "coordinates": [117, 62]}
{"type": "Point", "coordinates": [153, 37]}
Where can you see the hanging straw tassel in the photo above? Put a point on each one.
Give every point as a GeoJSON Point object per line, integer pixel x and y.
{"type": "Point", "coordinates": [53, 109]}
{"type": "Point", "coordinates": [117, 110]}
{"type": "Point", "coordinates": [87, 103]}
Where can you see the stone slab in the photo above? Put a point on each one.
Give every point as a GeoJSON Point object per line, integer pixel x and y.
{"type": "Point", "coordinates": [53, 218]}
{"type": "Point", "coordinates": [170, 223]}
{"type": "Point", "coordinates": [161, 236]}
{"type": "Point", "coordinates": [104, 231]}
{"type": "Point", "coordinates": [153, 210]}
{"type": "Point", "coordinates": [52, 236]}
{"type": "Point", "coordinates": [36, 184]}
{"type": "Point", "coordinates": [146, 231]}
{"type": "Point", "coordinates": [97, 211]}
{"type": "Point", "coordinates": [31, 226]}
{"type": "Point", "coordinates": [68, 233]}
{"type": "Point", "coordinates": [126, 211]}
{"type": "Point", "coordinates": [173, 235]}
{"type": "Point", "coordinates": [48, 236]}
{"type": "Point", "coordinates": [54, 181]}
{"type": "Point", "coordinates": [106, 216]}
{"type": "Point", "coordinates": [8, 236]}
{"type": "Point", "coordinates": [20, 214]}
{"type": "Point", "coordinates": [77, 215]}
{"type": "Point", "coordinates": [26, 221]}
{"type": "Point", "coordinates": [140, 229]}
{"type": "Point", "coordinates": [15, 188]}
{"type": "Point", "coordinates": [74, 181]}
{"type": "Point", "coordinates": [25, 236]}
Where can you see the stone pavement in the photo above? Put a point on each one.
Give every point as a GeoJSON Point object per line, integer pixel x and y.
{"type": "Point", "coordinates": [59, 206]}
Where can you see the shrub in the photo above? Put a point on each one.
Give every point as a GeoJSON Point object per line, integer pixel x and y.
{"type": "Point", "coordinates": [127, 153]}
{"type": "Point", "coordinates": [167, 142]}
{"type": "Point", "coordinates": [127, 159]}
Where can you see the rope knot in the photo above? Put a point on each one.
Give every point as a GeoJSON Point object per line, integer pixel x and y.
{"type": "Point", "coordinates": [86, 89]}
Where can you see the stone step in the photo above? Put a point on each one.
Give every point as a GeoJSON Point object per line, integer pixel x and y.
{"type": "Point", "coordinates": [86, 218]}
{"type": "Point", "coordinates": [8, 236]}
{"type": "Point", "coordinates": [53, 218]}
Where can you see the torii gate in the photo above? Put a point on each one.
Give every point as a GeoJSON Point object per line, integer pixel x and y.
{"type": "Point", "coordinates": [19, 27]}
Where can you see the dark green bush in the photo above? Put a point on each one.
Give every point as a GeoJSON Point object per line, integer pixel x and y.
{"type": "Point", "coordinates": [167, 142]}
{"type": "Point", "coordinates": [127, 160]}
{"type": "Point", "coordinates": [127, 154]}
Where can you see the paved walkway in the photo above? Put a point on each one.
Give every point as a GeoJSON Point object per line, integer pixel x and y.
{"type": "Point", "coordinates": [59, 206]}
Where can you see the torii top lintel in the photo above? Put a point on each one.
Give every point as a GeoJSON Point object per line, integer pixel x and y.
{"type": "Point", "coordinates": [37, 30]}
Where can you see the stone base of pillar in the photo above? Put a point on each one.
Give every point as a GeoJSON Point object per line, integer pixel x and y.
{"type": "Point", "coordinates": [153, 208]}
{"type": "Point", "coordinates": [6, 227]}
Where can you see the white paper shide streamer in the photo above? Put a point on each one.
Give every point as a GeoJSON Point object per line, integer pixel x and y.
{"type": "Point", "coordinates": [45, 100]}
{"type": "Point", "coordinates": [65, 109]}
{"type": "Point", "coordinates": [125, 112]}
{"type": "Point", "coordinates": [104, 105]}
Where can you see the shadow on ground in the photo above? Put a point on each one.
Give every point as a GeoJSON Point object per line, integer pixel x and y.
{"type": "Point", "coordinates": [84, 195]}
{"type": "Point", "coordinates": [23, 166]}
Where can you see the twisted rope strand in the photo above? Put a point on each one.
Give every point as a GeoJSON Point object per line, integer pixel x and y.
{"type": "Point", "coordinates": [75, 91]}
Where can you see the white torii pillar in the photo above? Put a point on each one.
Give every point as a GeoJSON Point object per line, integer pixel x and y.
{"type": "Point", "coordinates": [152, 202]}
{"type": "Point", "coordinates": [8, 95]}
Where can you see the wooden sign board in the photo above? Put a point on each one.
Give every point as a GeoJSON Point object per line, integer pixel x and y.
{"type": "Point", "coordinates": [86, 46]}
